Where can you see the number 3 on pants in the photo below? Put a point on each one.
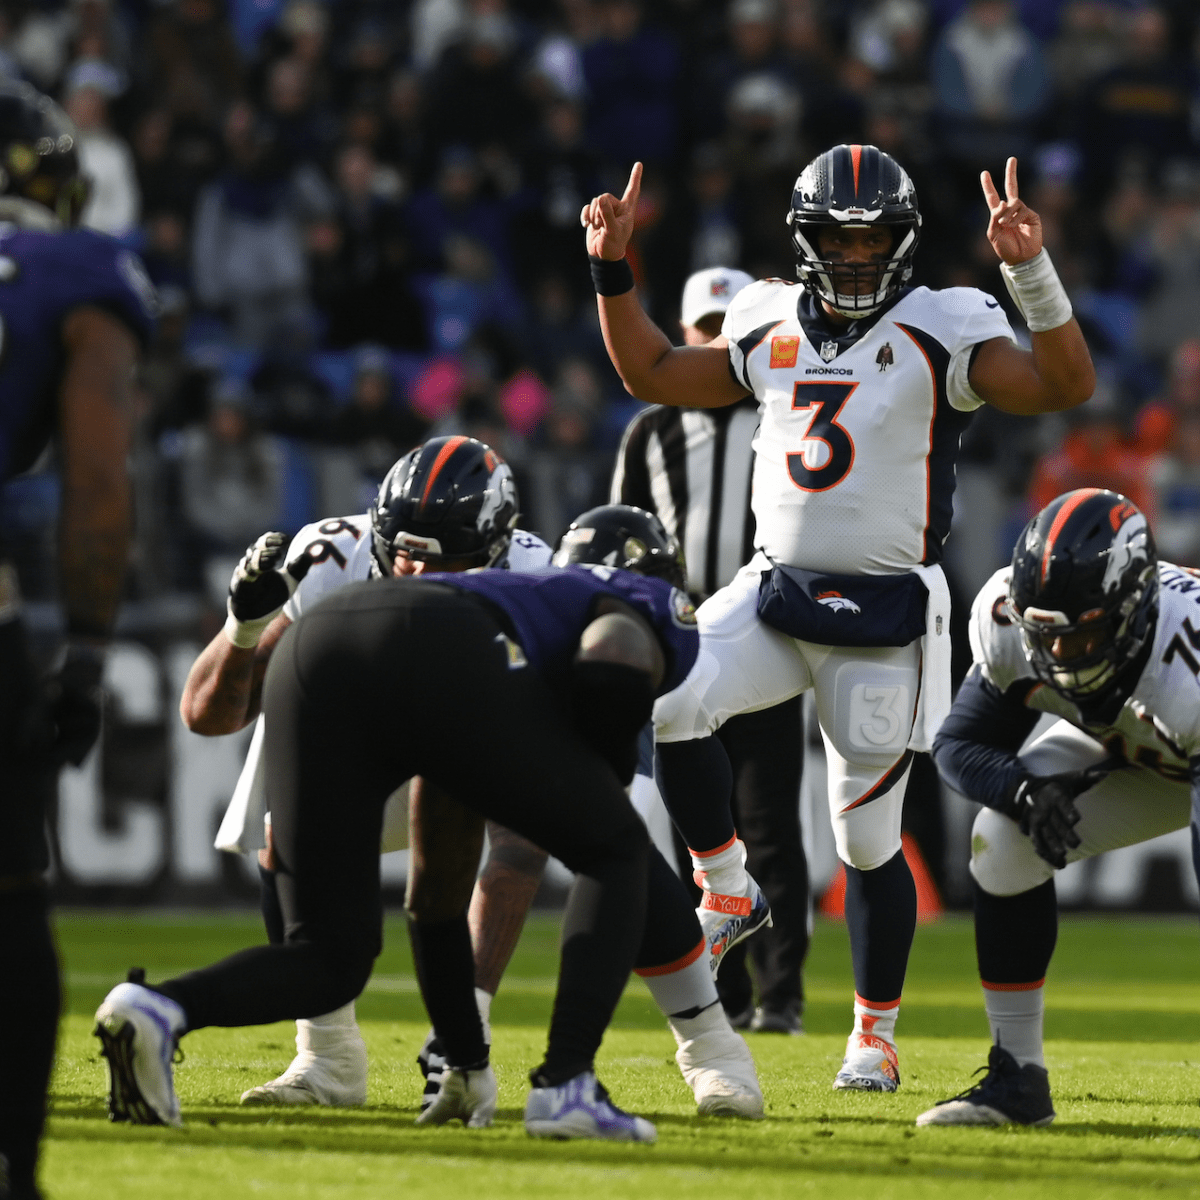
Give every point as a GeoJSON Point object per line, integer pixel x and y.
{"type": "Point", "coordinates": [825, 442]}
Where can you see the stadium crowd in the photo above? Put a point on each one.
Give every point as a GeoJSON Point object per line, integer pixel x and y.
{"type": "Point", "coordinates": [363, 223]}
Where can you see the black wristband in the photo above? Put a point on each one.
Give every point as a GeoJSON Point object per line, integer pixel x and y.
{"type": "Point", "coordinates": [611, 278]}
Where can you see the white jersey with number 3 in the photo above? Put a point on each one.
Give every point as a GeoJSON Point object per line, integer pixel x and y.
{"type": "Point", "coordinates": [854, 458]}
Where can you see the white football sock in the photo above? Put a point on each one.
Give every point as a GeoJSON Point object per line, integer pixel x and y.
{"type": "Point", "coordinates": [1016, 1018]}
{"type": "Point", "coordinates": [483, 1001]}
{"type": "Point", "coordinates": [684, 990]}
{"type": "Point", "coordinates": [722, 871]}
{"type": "Point", "coordinates": [877, 1020]}
{"type": "Point", "coordinates": [687, 1029]}
{"type": "Point", "coordinates": [328, 1031]}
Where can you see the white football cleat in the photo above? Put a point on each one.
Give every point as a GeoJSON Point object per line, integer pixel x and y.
{"type": "Point", "coordinates": [465, 1095]}
{"type": "Point", "coordinates": [727, 920]}
{"type": "Point", "coordinates": [139, 1032]}
{"type": "Point", "coordinates": [871, 1065]}
{"type": "Point", "coordinates": [719, 1068]}
{"type": "Point", "coordinates": [580, 1108]}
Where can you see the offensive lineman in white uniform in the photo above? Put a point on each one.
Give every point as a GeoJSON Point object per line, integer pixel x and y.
{"type": "Point", "coordinates": [471, 502]}
{"type": "Point", "coordinates": [864, 388]}
{"type": "Point", "coordinates": [1088, 627]}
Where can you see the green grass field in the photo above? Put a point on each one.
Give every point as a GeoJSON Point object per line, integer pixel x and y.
{"type": "Point", "coordinates": [1123, 1053]}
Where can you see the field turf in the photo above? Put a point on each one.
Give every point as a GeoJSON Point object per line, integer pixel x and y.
{"type": "Point", "coordinates": [1123, 1051]}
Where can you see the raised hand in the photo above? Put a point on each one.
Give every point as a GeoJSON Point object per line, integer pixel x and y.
{"type": "Point", "coordinates": [1014, 229]}
{"type": "Point", "coordinates": [609, 221]}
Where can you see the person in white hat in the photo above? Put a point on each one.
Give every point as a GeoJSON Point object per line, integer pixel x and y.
{"type": "Point", "coordinates": [692, 468]}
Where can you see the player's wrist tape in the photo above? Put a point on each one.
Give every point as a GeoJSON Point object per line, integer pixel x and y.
{"type": "Point", "coordinates": [245, 634]}
{"type": "Point", "coordinates": [1038, 292]}
{"type": "Point", "coordinates": [611, 278]}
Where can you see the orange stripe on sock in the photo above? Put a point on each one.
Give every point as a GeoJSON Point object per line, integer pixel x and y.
{"type": "Point", "coordinates": [710, 853]}
{"type": "Point", "coordinates": [1014, 987]}
{"type": "Point", "coordinates": [671, 967]}
{"type": "Point", "coordinates": [881, 1006]}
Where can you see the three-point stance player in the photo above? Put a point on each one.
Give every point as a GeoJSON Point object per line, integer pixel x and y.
{"type": "Point", "coordinates": [864, 386]}
{"type": "Point", "coordinates": [554, 672]}
{"type": "Point", "coordinates": [1089, 627]}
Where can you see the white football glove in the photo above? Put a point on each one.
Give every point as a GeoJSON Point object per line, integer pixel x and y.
{"type": "Point", "coordinates": [261, 585]}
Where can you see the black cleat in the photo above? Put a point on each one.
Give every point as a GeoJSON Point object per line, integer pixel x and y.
{"type": "Point", "coordinates": [1007, 1095]}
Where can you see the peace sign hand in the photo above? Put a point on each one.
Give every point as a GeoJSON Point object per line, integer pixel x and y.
{"type": "Point", "coordinates": [1014, 230]}
{"type": "Point", "coordinates": [609, 221]}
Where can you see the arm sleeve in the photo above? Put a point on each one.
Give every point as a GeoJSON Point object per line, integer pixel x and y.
{"type": "Point", "coordinates": [976, 747]}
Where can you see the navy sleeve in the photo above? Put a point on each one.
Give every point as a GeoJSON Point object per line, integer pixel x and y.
{"type": "Point", "coordinates": [976, 747]}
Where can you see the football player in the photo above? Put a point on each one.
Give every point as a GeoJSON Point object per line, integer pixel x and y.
{"type": "Point", "coordinates": [864, 386]}
{"type": "Point", "coordinates": [74, 307]}
{"type": "Point", "coordinates": [1089, 628]}
{"type": "Point", "coordinates": [449, 505]}
{"type": "Point", "coordinates": [554, 672]}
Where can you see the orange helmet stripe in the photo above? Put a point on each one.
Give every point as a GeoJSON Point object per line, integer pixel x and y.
{"type": "Point", "coordinates": [1060, 520]}
{"type": "Point", "coordinates": [856, 159]}
{"type": "Point", "coordinates": [444, 455]}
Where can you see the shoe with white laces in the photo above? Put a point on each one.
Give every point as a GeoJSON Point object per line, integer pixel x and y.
{"type": "Point", "coordinates": [727, 920]}
{"type": "Point", "coordinates": [327, 1070]}
{"type": "Point", "coordinates": [870, 1065]}
{"type": "Point", "coordinates": [1009, 1094]}
{"type": "Point", "coordinates": [719, 1068]}
{"type": "Point", "coordinates": [466, 1094]}
{"type": "Point", "coordinates": [580, 1108]}
{"type": "Point", "coordinates": [139, 1033]}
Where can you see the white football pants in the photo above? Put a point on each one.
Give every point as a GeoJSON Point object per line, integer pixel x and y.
{"type": "Point", "coordinates": [865, 698]}
{"type": "Point", "coordinates": [1133, 804]}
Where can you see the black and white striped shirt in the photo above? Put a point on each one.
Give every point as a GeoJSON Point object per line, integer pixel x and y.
{"type": "Point", "coordinates": [693, 468]}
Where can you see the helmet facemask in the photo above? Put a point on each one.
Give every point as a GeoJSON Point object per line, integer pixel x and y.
{"type": "Point", "coordinates": [826, 278]}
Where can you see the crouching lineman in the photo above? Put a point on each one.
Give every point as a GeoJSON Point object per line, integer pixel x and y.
{"type": "Point", "coordinates": [1087, 626]}
{"type": "Point", "coordinates": [449, 505]}
{"type": "Point", "coordinates": [554, 673]}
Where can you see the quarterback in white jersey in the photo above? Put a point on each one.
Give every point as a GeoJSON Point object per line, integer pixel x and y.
{"type": "Point", "coordinates": [1089, 628]}
{"type": "Point", "coordinates": [864, 389]}
{"type": "Point", "coordinates": [449, 505]}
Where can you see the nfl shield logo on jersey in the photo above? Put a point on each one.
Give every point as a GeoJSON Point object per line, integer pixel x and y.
{"type": "Point", "coordinates": [829, 351]}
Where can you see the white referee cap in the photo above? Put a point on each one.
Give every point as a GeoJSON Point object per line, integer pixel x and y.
{"type": "Point", "coordinates": [709, 292]}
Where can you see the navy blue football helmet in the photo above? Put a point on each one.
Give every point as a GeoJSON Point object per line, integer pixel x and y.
{"type": "Point", "coordinates": [1085, 574]}
{"type": "Point", "coordinates": [450, 499]}
{"type": "Point", "coordinates": [856, 186]}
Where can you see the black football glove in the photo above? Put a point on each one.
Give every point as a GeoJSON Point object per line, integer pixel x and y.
{"type": "Point", "coordinates": [262, 584]}
{"type": "Point", "coordinates": [73, 704]}
{"type": "Point", "coordinates": [1047, 813]}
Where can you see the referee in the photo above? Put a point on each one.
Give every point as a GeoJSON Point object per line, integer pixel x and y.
{"type": "Point", "coordinates": [692, 467]}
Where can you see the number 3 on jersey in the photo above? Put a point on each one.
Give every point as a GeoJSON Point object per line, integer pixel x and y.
{"type": "Point", "coordinates": [826, 451]}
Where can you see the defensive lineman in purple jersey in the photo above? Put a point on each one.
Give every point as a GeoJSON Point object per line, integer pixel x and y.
{"type": "Point", "coordinates": [1089, 629]}
{"type": "Point", "coordinates": [864, 387]}
{"type": "Point", "coordinates": [74, 308]}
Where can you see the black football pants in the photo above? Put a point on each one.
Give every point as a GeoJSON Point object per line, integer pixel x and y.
{"type": "Point", "coordinates": [376, 684]}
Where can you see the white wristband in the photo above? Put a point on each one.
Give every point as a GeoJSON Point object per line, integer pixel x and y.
{"type": "Point", "coordinates": [245, 634]}
{"type": "Point", "coordinates": [1038, 292]}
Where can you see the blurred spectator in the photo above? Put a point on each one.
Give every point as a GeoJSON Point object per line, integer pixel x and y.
{"type": "Point", "coordinates": [1175, 480]}
{"type": "Point", "coordinates": [1156, 421]}
{"type": "Point", "coordinates": [175, 157]}
{"type": "Point", "coordinates": [105, 159]}
{"type": "Point", "coordinates": [38, 41]}
{"type": "Point", "coordinates": [1140, 108]}
{"type": "Point", "coordinates": [1171, 309]}
{"type": "Point", "coordinates": [562, 177]}
{"type": "Point", "coordinates": [247, 245]}
{"type": "Point", "coordinates": [1095, 452]}
{"type": "Point", "coordinates": [632, 73]}
{"type": "Point", "coordinates": [568, 470]}
{"type": "Point", "coordinates": [476, 97]}
{"type": "Point", "coordinates": [231, 484]}
{"type": "Point", "coordinates": [404, 140]}
{"type": "Point", "coordinates": [559, 326]}
{"type": "Point", "coordinates": [991, 83]}
{"type": "Point", "coordinates": [1088, 44]}
{"type": "Point", "coordinates": [360, 258]}
{"type": "Point", "coordinates": [367, 63]}
{"type": "Point", "coordinates": [434, 25]}
{"type": "Point", "coordinates": [194, 66]}
{"type": "Point", "coordinates": [300, 130]}
{"type": "Point", "coordinates": [165, 250]}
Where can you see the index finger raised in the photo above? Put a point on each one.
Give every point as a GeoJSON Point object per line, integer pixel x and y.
{"type": "Point", "coordinates": [634, 187]}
